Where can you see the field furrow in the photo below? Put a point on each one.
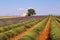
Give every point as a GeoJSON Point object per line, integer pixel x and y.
{"type": "Point", "coordinates": [45, 32]}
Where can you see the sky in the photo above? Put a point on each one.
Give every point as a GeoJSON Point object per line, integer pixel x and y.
{"type": "Point", "coordinates": [17, 7]}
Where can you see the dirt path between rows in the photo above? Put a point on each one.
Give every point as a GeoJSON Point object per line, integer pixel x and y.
{"type": "Point", "coordinates": [21, 34]}
{"type": "Point", "coordinates": [45, 32]}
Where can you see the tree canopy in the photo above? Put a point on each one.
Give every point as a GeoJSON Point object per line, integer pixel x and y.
{"type": "Point", "coordinates": [31, 12]}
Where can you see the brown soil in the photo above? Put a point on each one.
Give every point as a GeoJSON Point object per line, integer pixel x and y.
{"type": "Point", "coordinates": [45, 32]}
{"type": "Point", "coordinates": [21, 34]}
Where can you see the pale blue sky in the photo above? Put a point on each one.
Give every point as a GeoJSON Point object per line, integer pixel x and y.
{"type": "Point", "coordinates": [17, 7]}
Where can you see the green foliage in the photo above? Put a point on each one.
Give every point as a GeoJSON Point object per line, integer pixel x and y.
{"type": "Point", "coordinates": [55, 31]}
{"type": "Point", "coordinates": [58, 17]}
{"type": "Point", "coordinates": [3, 37]}
{"type": "Point", "coordinates": [31, 12]}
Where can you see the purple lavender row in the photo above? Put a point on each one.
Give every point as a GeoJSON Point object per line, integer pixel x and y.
{"type": "Point", "coordinates": [8, 21]}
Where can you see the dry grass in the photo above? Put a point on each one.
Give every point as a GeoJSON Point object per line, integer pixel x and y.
{"type": "Point", "coordinates": [8, 17]}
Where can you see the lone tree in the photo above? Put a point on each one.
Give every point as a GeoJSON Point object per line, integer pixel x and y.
{"type": "Point", "coordinates": [31, 12]}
